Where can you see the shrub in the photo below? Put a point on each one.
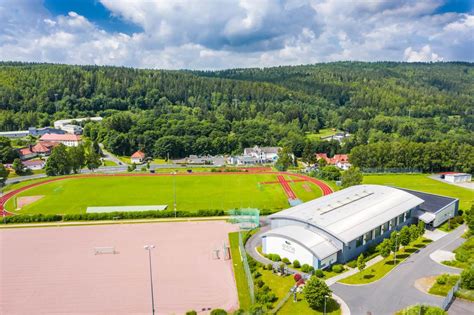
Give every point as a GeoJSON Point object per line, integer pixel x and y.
{"type": "Point", "coordinates": [311, 269]}
{"type": "Point", "coordinates": [218, 311]}
{"type": "Point", "coordinates": [259, 283]}
{"type": "Point", "coordinates": [191, 313]}
{"type": "Point", "coordinates": [286, 261]}
{"type": "Point", "coordinates": [337, 268]}
{"type": "Point", "coordinates": [257, 274]}
{"type": "Point", "coordinates": [467, 279]}
{"type": "Point", "coordinates": [319, 273]}
{"type": "Point", "coordinates": [239, 312]}
{"type": "Point", "coordinates": [352, 264]}
{"type": "Point", "coordinates": [442, 279]}
{"type": "Point", "coordinates": [462, 255]}
{"type": "Point", "coordinates": [305, 268]}
{"type": "Point", "coordinates": [296, 264]}
{"type": "Point", "coordinates": [269, 266]}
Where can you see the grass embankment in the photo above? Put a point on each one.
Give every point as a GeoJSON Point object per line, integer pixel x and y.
{"type": "Point", "coordinates": [108, 163]}
{"type": "Point", "coordinates": [422, 182]}
{"type": "Point", "coordinates": [422, 310]}
{"type": "Point", "coordinates": [380, 269]}
{"type": "Point", "coordinates": [34, 172]}
{"type": "Point", "coordinates": [75, 194]}
{"type": "Point", "coordinates": [464, 255]}
{"type": "Point", "coordinates": [443, 284]}
{"type": "Point", "coordinates": [239, 273]}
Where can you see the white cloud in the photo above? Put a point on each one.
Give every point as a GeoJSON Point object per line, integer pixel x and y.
{"type": "Point", "coordinates": [424, 55]}
{"type": "Point", "coordinates": [212, 34]}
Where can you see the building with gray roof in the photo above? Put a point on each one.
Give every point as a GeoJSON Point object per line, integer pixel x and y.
{"type": "Point", "coordinates": [340, 226]}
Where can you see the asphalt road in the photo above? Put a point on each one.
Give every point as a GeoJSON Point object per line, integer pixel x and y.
{"type": "Point", "coordinates": [396, 291]}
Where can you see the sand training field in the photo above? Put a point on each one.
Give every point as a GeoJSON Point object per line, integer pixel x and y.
{"type": "Point", "coordinates": [55, 270]}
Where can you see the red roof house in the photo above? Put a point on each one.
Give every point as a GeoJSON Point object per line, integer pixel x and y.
{"type": "Point", "coordinates": [138, 157]}
{"type": "Point", "coordinates": [69, 140]}
{"type": "Point", "coordinates": [26, 153]}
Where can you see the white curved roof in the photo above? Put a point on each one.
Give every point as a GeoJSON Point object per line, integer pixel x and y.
{"type": "Point", "coordinates": [317, 243]}
{"type": "Point", "coordinates": [351, 212]}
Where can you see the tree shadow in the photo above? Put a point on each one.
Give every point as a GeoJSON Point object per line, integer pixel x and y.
{"type": "Point", "coordinates": [419, 245]}
{"type": "Point", "coordinates": [331, 306]}
{"type": "Point", "coordinates": [411, 250]}
{"type": "Point", "coordinates": [369, 276]}
{"type": "Point", "coordinates": [427, 241]}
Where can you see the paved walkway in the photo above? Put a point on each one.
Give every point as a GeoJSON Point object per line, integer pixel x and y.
{"type": "Point", "coordinates": [352, 271]}
{"type": "Point", "coordinates": [396, 290]}
{"type": "Point", "coordinates": [442, 255]}
{"type": "Point", "coordinates": [461, 307]}
{"type": "Point", "coordinates": [435, 234]}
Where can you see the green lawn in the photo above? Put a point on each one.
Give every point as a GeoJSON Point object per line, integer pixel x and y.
{"type": "Point", "coordinates": [443, 289]}
{"type": "Point", "coordinates": [14, 175]}
{"type": "Point", "coordinates": [109, 163]}
{"type": "Point", "coordinates": [425, 310]}
{"type": "Point", "coordinates": [464, 255]}
{"type": "Point", "coordinates": [239, 273]}
{"type": "Point", "coordinates": [322, 133]}
{"type": "Point", "coordinates": [465, 294]}
{"type": "Point", "coordinates": [380, 269]}
{"type": "Point", "coordinates": [74, 195]}
{"type": "Point", "coordinates": [423, 183]}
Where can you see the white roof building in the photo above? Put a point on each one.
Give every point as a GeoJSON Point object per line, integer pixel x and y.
{"type": "Point", "coordinates": [339, 226]}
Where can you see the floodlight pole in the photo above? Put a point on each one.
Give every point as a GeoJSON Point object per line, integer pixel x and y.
{"type": "Point", "coordinates": [174, 192]}
{"type": "Point", "coordinates": [149, 248]}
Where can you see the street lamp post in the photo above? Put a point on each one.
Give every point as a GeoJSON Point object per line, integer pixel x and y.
{"type": "Point", "coordinates": [395, 249]}
{"type": "Point", "coordinates": [325, 297]}
{"type": "Point", "coordinates": [149, 248]}
{"type": "Point", "coordinates": [174, 191]}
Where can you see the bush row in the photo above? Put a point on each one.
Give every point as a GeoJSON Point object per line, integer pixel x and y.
{"type": "Point", "coordinates": [25, 218]}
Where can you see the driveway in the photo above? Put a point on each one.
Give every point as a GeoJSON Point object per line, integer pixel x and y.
{"type": "Point", "coordinates": [396, 291]}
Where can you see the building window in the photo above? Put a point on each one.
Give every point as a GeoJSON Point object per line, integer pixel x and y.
{"type": "Point", "coordinates": [368, 236]}
{"type": "Point", "coordinates": [401, 219]}
{"type": "Point", "coordinates": [408, 214]}
{"type": "Point", "coordinates": [377, 231]}
{"type": "Point", "coordinates": [360, 241]}
{"type": "Point", "coordinates": [393, 223]}
{"type": "Point", "coordinates": [386, 227]}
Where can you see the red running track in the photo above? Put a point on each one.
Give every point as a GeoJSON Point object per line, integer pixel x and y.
{"type": "Point", "coordinates": [286, 187]}
{"type": "Point", "coordinates": [326, 190]}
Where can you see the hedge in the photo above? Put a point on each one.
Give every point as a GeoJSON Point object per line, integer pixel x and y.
{"type": "Point", "coordinates": [25, 218]}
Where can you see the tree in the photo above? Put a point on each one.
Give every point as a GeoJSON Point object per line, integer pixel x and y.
{"type": "Point", "coordinates": [470, 219]}
{"type": "Point", "coordinates": [308, 153]}
{"type": "Point", "coordinates": [7, 153]}
{"type": "Point", "coordinates": [58, 162]}
{"type": "Point", "coordinates": [285, 159]}
{"type": "Point", "coordinates": [77, 158]}
{"type": "Point", "coordinates": [92, 159]}
{"type": "Point", "coordinates": [315, 292]}
{"type": "Point", "coordinates": [405, 236]}
{"type": "Point", "coordinates": [467, 278]}
{"type": "Point", "coordinates": [385, 248]}
{"type": "Point", "coordinates": [414, 235]}
{"type": "Point", "coordinates": [296, 264]}
{"type": "Point", "coordinates": [218, 311]}
{"type": "Point", "coordinates": [394, 241]}
{"type": "Point", "coordinates": [330, 172]}
{"type": "Point", "coordinates": [18, 166]}
{"type": "Point", "coordinates": [3, 174]}
{"type": "Point", "coordinates": [421, 228]}
{"type": "Point", "coordinates": [361, 262]}
{"type": "Point", "coordinates": [351, 177]}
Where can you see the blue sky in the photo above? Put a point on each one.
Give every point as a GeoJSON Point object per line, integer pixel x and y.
{"type": "Point", "coordinates": [215, 34]}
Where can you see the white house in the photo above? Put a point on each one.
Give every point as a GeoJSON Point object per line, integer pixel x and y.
{"type": "Point", "coordinates": [138, 157]}
{"type": "Point", "coordinates": [263, 154]}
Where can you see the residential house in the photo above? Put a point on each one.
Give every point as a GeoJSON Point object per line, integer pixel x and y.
{"type": "Point", "coordinates": [69, 140]}
{"type": "Point", "coordinates": [138, 157]}
{"type": "Point", "coordinates": [339, 160]}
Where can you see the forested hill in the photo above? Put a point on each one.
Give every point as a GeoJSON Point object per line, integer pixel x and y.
{"type": "Point", "coordinates": [197, 112]}
{"type": "Point", "coordinates": [419, 89]}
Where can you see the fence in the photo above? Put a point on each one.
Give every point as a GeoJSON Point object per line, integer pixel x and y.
{"type": "Point", "coordinates": [243, 255]}
{"type": "Point", "coordinates": [448, 299]}
{"type": "Point", "coordinates": [394, 170]}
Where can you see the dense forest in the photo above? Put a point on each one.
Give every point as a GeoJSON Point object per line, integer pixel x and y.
{"type": "Point", "coordinates": [177, 113]}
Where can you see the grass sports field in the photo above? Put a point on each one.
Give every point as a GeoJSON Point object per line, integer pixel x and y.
{"type": "Point", "coordinates": [422, 182]}
{"type": "Point", "coordinates": [193, 192]}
